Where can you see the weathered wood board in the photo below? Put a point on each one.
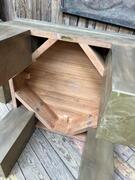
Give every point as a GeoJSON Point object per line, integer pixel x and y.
{"type": "Point", "coordinates": [15, 52]}
{"type": "Point", "coordinates": [15, 131]}
{"type": "Point", "coordinates": [73, 34]}
{"type": "Point", "coordinates": [97, 159]}
{"type": "Point", "coordinates": [6, 10]}
{"type": "Point", "coordinates": [119, 12]}
{"type": "Point", "coordinates": [117, 115]}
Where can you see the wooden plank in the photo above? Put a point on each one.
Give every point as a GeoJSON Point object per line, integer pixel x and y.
{"type": "Point", "coordinates": [6, 10]}
{"type": "Point", "coordinates": [110, 11]}
{"type": "Point", "coordinates": [38, 52]}
{"type": "Point", "coordinates": [15, 53]}
{"type": "Point", "coordinates": [117, 114]}
{"type": "Point", "coordinates": [91, 37]}
{"type": "Point", "coordinates": [82, 22]}
{"type": "Point", "coordinates": [94, 57]}
{"type": "Point", "coordinates": [100, 26]}
{"type": "Point", "coordinates": [28, 8]}
{"type": "Point", "coordinates": [67, 81]}
{"type": "Point", "coordinates": [48, 117]}
{"type": "Point", "coordinates": [73, 20]}
{"type": "Point", "coordinates": [124, 152]}
{"type": "Point", "coordinates": [21, 127]}
{"type": "Point", "coordinates": [31, 166]}
{"type": "Point", "coordinates": [9, 32]}
{"type": "Point", "coordinates": [65, 19]}
{"type": "Point", "coordinates": [111, 28]}
{"type": "Point", "coordinates": [65, 150]}
{"type": "Point", "coordinates": [131, 161]}
{"type": "Point", "coordinates": [124, 170]}
{"type": "Point", "coordinates": [52, 163]}
{"type": "Point", "coordinates": [97, 159]}
{"type": "Point", "coordinates": [42, 111]}
{"type": "Point", "coordinates": [91, 24]}
{"type": "Point", "coordinates": [38, 8]}
{"type": "Point", "coordinates": [56, 14]}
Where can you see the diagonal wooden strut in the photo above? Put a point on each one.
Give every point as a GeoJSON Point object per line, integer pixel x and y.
{"type": "Point", "coordinates": [33, 103]}
{"type": "Point", "coordinates": [95, 58]}
{"type": "Point", "coordinates": [46, 45]}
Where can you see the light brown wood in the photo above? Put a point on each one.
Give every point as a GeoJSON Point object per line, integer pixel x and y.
{"type": "Point", "coordinates": [81, 137]}
{"type": "Point", "coordinates": [46, 45]}
{"type": "Point", "coordinates": [95, 58]}
{"type": "Point", "coordinates": [71, 126]}
{"type": "Point", "coordinates": [56, 14]}
{"type": "Point", "coordinates": [66, 81]}
{"type": "Point", "coordinates": [43, 112]}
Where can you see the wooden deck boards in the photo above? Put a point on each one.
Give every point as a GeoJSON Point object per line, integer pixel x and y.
{"type": "Point", "coordinates": [47, 152]}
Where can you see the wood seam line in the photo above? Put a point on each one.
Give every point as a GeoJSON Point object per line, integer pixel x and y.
{"type": "Point", "coordinates": [95, 58]}
{"type": "Point", "coordinates": [46, 45]}
{"type": "Point", "coordinates": [12, 91]}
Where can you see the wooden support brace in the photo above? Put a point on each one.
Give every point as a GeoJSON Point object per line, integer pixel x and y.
{"type": "Point", "coordinates": [94, 57]}
{"type": "Point", "coordinates": [81, 137]}
{"type": "Point", "coordinates": [15, 130]}
{"type": "Point", "coordinates": [46, 45]}
{"type": "Point", "coordinates": [97, 159]}
{"type": "Point", "coordinates": [33, 103]}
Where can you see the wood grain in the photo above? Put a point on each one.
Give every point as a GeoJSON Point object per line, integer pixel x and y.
{"type": "Point", "coordinates": [46, 45]}
{"type": "Point", "coordinates": [15, 52]}
{"type": "Point", "coordinates": [53, 164]}
{"type": "Point", "coordinates": [19, 131]}
{"type": "Point", "coordinates": [72, 34]}
{"type": "Point", "coordinates": [33, 102]}
{"type": "Point", "coordinates": [65, 150]}
{"type": "Point", "coordinates": [16, 173]}
{"type": "Point", "coordinates": [97, 159]}
{"type": "Point", "coordinates": [94, 57]}
{"type": "Point", "coordinates": [31, 166]}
